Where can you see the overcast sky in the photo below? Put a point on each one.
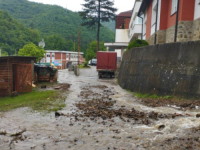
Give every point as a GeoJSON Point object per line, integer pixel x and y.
{"type": "Point", "coordinates": [75, 5]}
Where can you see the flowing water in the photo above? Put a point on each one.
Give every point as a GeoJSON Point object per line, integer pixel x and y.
{"type": "Point", "coordinates": [47, 132]}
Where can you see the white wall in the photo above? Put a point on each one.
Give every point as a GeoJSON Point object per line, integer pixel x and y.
{"type": "Point", "coordinates": [197, 10]}
{"type": "Point", "coordinates": [122, 35]}
{"type": "Point", "coordinates": [154, 15]}
{"type": "Point", "coordinates": [118, 52]}
{"type": "Point", "coordinates": [135, 20]}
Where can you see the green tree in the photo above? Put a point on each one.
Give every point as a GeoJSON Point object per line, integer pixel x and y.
{"type": "Point", "coordinates": [32, 50]}
{"type": "Point", "coordinates": [91, 50]}
{"type": "Point", "coordinates": [95, 12]}
{"type": "Point", "coordinates": [3, 53]}
{"type": "Point", "coordinates": [15, 35]}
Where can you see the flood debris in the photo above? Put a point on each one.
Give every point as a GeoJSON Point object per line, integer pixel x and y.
{"type": "Point", "coordinates": [43, 86]}
{"type": "Point", "coordinates": [94, 106]}
{"type": "Point", "coordinates": [198, 115]}
{"type": "Point", "coordinates": [17, 137]}
{"type": "Point", "coordinates": [174, 103]}
{"type": "Point", "coordinates": [3, 132]}
{"type": "Point", "coordinates": [18, 133]}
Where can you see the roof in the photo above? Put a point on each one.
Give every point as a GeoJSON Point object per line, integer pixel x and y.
{"type": "Point", "coordinates": [125, 14]}
{"type": "Point", "coordinates": [57, 51]}
{"type": "Point", "coordinates": [143, 7]}
{"type": "Point", "coordinates": [6, 57]}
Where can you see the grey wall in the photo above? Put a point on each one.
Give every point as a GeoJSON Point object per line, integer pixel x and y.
{"type": "Point", "coordinates": [166, 69]}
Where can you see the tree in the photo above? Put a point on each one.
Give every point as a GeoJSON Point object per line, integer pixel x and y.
{"type": "Point", "coordinates": [95, 12]}
{"type": "Point", "coordinates": [32, 50]}
{"type": "Point", "coordinates": [91, 50]}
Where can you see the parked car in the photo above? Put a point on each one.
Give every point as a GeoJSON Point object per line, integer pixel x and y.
{"type": "Point", "coordinates": [89, 62]}
{"type": "Point", "coordinates": [94, 62]}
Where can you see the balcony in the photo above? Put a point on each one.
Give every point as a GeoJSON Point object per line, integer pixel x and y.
{"type": "Point", "coordinates": [135, 32]}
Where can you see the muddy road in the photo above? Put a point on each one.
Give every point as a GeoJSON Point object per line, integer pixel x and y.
{"type": "Point", "coordinates": [99, 115]}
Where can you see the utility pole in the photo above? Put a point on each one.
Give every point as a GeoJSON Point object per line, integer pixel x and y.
{"type": "Point", "coordinates": [79, 43]}
{"type": "Point", "coordinates": [0, 51]}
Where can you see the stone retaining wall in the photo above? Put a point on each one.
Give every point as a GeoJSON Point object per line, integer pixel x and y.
{"type": "Point", "coordinates": [165, 69]}
{"type": "Point", "coordinates": [196, 30]}
{"type": "Point", "coordinates": [187, 31]}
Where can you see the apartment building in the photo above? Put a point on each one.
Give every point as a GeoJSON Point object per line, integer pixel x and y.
{"type": "Point", "coordinates": [166, 21]}
{"type": "Point", "coordinates": [61, 58]}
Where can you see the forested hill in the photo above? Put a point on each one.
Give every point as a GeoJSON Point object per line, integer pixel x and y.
{"type": "Point", "coordinates": [14, 35]}
{"type": "Point", "coordinates": [53, 20]}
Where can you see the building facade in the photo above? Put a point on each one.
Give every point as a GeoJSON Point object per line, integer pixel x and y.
{"type": "Point", "coordinates": [135, 25]}
{"type": "Point", "coordinates": [61, 58]}
{"type": "Point", "coordinates": [160, 17]}
{"type": "Point", "coordinates": [122, 26]}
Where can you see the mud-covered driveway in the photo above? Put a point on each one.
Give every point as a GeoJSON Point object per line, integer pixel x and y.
{"type": "Point", "coordinates": [99, 115]}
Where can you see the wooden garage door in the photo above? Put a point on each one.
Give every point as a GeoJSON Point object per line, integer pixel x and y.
{"type": "Point", "coordinates": [23, 78]}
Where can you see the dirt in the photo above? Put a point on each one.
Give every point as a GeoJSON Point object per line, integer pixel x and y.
{"type": "Point", "coordinates": [99, 105]}
{"type": "Point", "coordinates": [54, 86]}
{"type": "Point", "coordinates": [176, 103]}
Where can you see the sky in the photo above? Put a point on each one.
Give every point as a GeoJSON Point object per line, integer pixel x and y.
{"type": "Point", "coordinates": [75, 5]}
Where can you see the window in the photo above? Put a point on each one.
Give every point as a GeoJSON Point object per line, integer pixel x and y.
{"type": "Point", "coordinates": [53, 55]}
{"type": "Point", "coordinates": [48, 55]}
{"type": "Point", "coordinates": [174, 6]}
{"type": "Point", "coordinates": [67, 55]}
{"type": "Point", "coordinates": [153, 21]}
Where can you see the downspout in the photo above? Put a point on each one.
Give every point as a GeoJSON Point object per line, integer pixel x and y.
{"type": "Point", "coordinates": [176, 27]}
{"type": "Point", "coordinates": [142, 28]}
{"type": "Point", "coordinates": [155, 37]}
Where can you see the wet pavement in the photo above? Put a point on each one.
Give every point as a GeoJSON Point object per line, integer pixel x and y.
{"type": "Point", "coordinates": [99, 115]}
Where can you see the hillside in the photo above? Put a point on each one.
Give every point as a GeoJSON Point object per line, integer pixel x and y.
{"type": "Point", "coordinates": [14, 35]}
{"type": "Point", "coordinates": [53, 20]}
{"type": "Point", "coordinates": [110, 25]}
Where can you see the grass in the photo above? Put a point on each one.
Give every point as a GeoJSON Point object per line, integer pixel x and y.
{"type": "Point", "coordinates": [154, 96]}
{"type": "Point", "coordinates": [83, 67]}
{"type": "Point", "coordinates": [46, 101]}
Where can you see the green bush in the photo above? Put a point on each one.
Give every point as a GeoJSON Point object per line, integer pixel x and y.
{"type": "Point", "coordinates": [137, 43]}
{"type": "Point", "coordinates": [85, 64]}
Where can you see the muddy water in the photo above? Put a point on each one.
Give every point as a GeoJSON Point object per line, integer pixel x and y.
{"type": "Point", "coordinates": [46, 132]}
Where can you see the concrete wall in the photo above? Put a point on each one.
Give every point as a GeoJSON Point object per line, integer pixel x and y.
{"type": "Point", "coordinates": [165, 69]}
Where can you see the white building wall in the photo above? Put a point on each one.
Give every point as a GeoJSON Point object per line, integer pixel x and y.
{"type": "Point", "coordinates": [197, 10]}
{"type": "Point", "coordinates": [122, 35]}
{"type": "Point", "coordinates": [154, 16]}
{"type": "Point", "coordinates": [118, 52]}
{"type": "Point", "coordinates": [135, 21]}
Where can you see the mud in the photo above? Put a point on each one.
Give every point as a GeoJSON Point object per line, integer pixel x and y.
{"type": "Point", "coordinates": [108, 121]}
{"type": "Point", "coordinates": [175, 103]}
{"type": "Point", "coordinates": [100, 105]}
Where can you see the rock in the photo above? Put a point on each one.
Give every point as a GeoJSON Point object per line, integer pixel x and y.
{"type": "Point", "coordinates": [161, 127]}
{"type": "Point", "coordinates": [198, 115]}
{"type": "Point", "coordinates": [43, 87]}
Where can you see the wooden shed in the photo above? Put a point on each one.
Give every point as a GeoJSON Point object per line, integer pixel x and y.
{"type": "Point", "coordinates": [16, 74]}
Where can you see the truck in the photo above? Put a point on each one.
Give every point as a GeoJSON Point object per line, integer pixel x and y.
{"type": "Point", "coordinates": [106, 63]}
